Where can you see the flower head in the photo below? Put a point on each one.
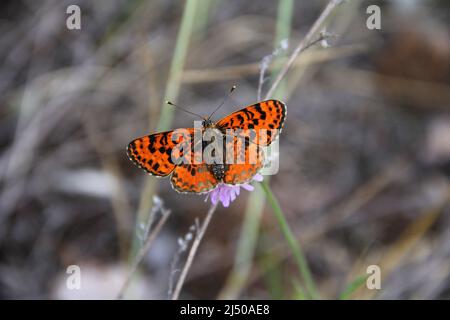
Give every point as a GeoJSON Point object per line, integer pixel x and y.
{"type": "Point", "coordinates": [226, 193]}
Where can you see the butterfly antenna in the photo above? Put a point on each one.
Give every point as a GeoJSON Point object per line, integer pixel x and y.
{"type": "Point", "coordinates": [224, 100]}
{"type": "Point", "coordinates": [187, 111]}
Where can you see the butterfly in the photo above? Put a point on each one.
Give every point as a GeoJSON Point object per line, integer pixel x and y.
{"type": "Point", "coordinates": [154, 153]}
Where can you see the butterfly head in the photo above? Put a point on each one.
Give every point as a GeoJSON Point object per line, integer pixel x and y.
{"type": "Point", "coordinates": [207, 123]}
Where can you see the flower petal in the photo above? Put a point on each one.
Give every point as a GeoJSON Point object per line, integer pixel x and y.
{"type": "Point", "coordinates": [215, 196]}
{"type": "Point", "coordinates": [228, 193]}
{"type": "Point", "coordinates": [226, 201]}
{"type": "Point", "coordinates": [258, 177]}
{"type": "Point", "coordinates": [232, 194]}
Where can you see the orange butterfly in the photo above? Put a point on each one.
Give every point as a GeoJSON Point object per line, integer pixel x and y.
{"type": "Point", "coordinates": [154, 153]}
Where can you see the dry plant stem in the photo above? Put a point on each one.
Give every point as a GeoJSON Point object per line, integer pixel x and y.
{"type": "Point", "coordinates": [238, 71]}
{"type": "Point", "coordinates": [198, 238]}
{"type": "Point", "coordinates": [304, 44]}
{"type": "Point", "coordinates": [143, 251]}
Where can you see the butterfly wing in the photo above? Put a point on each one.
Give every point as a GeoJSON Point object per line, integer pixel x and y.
{"type": "Point", "coordinates": [266, 120]}
{"type": "Point", "coordinates": [159, 153]}
{"type": "Point", "coordinates": [193, 178]}
{"type": "Point", "coordinates": [245, 168]}
{"type": "Point", "coordinates": [266, 115]}
{"type": "Point", "coordinates": [155, 153]}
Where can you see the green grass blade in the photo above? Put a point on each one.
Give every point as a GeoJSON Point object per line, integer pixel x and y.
{"type": "Point", "coordinates": [283, 30]}
{"type": "Point", "coordinates": [171, 93]}
{"type": "Point", "coordinates": [292, 242]}
{"type": "Point", "coordinates": [177, 65]}
{"type": "Point", "coordinates": [352, 287]}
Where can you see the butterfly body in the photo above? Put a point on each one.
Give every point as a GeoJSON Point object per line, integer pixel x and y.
{"type": "Point", "coordinates": [154, 153]}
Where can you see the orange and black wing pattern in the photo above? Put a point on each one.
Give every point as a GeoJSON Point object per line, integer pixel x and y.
{"type": "Point", "coordinates": [248, 160]}
{"type": "Point", "coordinates": [174, 152]}
{"type": "Point", "coordinates": [265, 117]}
{"type": "Point", "coordinates": [155, 153]}
{"type": "Point", "coordinates": [193, 178]}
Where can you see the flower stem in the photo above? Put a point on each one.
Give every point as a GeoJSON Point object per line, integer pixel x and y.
{"type": "Point", "coordinates": [292, 242]}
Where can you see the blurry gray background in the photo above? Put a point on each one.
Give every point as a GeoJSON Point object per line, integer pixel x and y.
{"type": "Point", "coordinates": [364, 155]}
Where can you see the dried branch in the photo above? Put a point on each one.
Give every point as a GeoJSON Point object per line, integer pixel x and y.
{"type": "Point", "coordinates": [143, 251]}
{"type": "Point", "coordinates": [307, 42]}
{"type": "Point", "coordinates": [265, 63]}
{"type": "Point", "coordinates": [192, 252]}
{"type": "Point", "coordinates": [183, 244]}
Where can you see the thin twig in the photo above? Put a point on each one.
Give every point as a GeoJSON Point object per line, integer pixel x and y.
{"type": "Point", "coordinates": [228, 73]}
{"type": "Point", "coordinates": [304, 44]}
{"type": "Point", "coordinates": [265, 64]}
{"type": "Point", "coordinates": [143, 251]}
{"type": "Point", "coordinates": [183, 244]}
{"type": "Point", "coordinates": [266, 60]}
{"type": "Point", "coordinates": [192, 252]}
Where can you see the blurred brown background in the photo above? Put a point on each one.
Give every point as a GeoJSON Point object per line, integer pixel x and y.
{"type": "Point", "coordinates": [364, 156]}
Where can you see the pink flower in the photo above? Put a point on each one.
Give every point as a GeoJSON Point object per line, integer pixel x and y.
{"type": "Point", "coordinates": [227, 193]}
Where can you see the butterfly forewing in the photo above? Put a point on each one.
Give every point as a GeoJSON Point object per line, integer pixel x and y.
{"type": "Point", "coordinates": [266, 118]}
{"type": "Point", "coordinates": [155, 153]}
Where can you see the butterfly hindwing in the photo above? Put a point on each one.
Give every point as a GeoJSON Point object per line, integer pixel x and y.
{"type": "Point", "coordinates": [193, 178]}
